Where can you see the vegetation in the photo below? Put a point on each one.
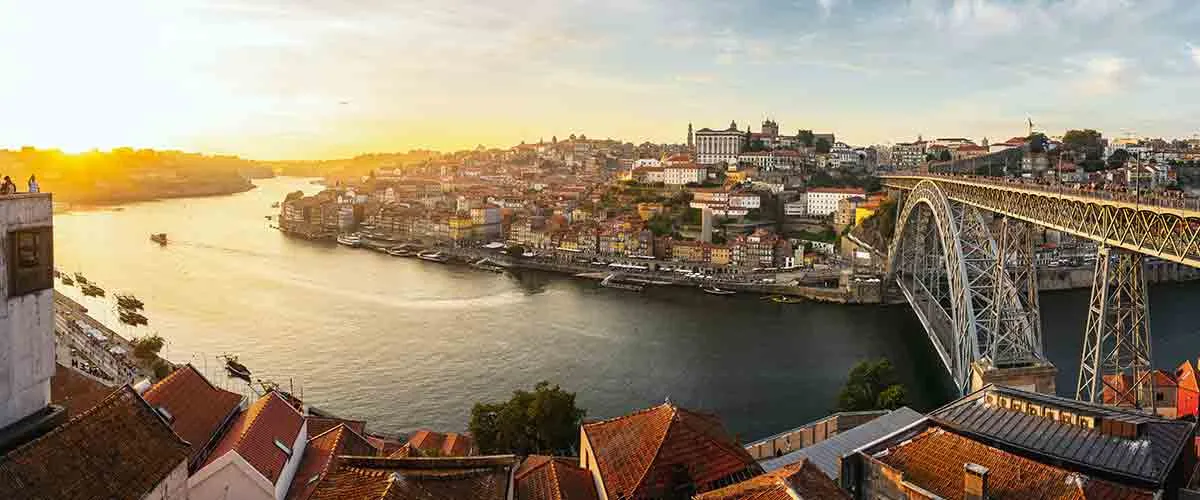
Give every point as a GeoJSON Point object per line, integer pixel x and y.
{"type": "Point", "coordinates": [806, 138]}
{"type": "Point", "coordinates": [1118, 158]}
{"type": "Point", "coordinates": [661, 225]}
{"type": "Point", "coordinates": [828, 235]}
{"type": "Point", "coordinates": [161, 368]}
{"type": "Point", "coordinates": [823, 146]}
{"type": "Point", "coordinates": [872, 386]}
{"type": "Point", "coordinates": [545, 421]}
{"type": "Point", "coordinates": [1038, 142]}
{"type": "Point", "coordinates": [148, 346]}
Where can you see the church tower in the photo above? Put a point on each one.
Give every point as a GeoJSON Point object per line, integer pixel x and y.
{"type": "Point", "coordinates": [690, 142]}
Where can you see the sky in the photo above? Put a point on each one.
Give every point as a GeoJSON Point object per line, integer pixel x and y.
{"type": "Point", "coordinates": [296, 79]}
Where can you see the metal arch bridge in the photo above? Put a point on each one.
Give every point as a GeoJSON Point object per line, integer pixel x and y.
{"type": "Point", "coordinates": [962, 255]}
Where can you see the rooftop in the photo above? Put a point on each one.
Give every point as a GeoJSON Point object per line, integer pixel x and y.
{"type": "Point", "coordinates": [195, 408]}
{"type": "Point", "coordinates": [450, 444]}
{"type": "Point", "coordinates": [479, 478]}
{"type": "Point", "coordinates": [827, 455]}
{"type": "Point", "coordinates": [554, 478]}
{"type": "Point", "coordinates": [799, 480]}
{"type": "Point", "coordinates": [321, 456]}
{"type": "Point", "coordinates": [254, 432]}
{"type": "Point", "coordinates": [638, 454]}
{"type": "Point", "coordinates": [120, 448]}
{"type": "Point", "coordinates": [75, 391]}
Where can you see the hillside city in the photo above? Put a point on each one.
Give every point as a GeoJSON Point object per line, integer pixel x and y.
{"type": "Point", "coordinates": [90, 414]}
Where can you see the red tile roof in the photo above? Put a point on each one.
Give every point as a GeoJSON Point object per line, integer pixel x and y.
{"type": "Point", "coordinates": [75, 391]}
{"type": "Point", "coordinates": [118, 449]}
{"type": "Point", "coordinates": [1187, 377]}
{"type": "Point", "coordinates": [935, 460]}
{"type": "Point", "coordinates": [802, 478]}
{"type": "Point", "coordinates": [318, 425]}
{"type": "Point", "coordinates": [639, 454]}
{"type": "Point", "coordinates": [321, 456]}
{"type": "Point", "coordinates": [253, 433]}
{"type": "Point", "coordinates": [450, 444]}
{"type": "Point", "coordinates": [386, 445]}
{"type": "Point", "coordinates": [476, 478]}
{"type": "Point", "coordinates": [554, 478]}
{"type": "Point", "coordinates": [838, 190]}
{"type": "Point", "coordinates": [199, 409]}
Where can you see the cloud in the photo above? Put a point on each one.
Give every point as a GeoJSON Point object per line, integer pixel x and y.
{"type": "Point", "coordinates": [1104, 75]}
{"type": "Point", "coordinates": [827, 6]}
{"type": "Point", "coordinates": [1195, 52]}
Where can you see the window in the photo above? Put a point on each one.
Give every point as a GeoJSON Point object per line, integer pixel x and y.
{"type": "Point", "coordinates": [30, 261]}
{"type": "Point", "coordinates": [283, 447]}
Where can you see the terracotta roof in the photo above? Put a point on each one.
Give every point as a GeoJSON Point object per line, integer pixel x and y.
{"type": "Point", "coordinates": [321, 456]}
{"type": "Point", "coordinates": [1187, 377]}
{"type": "Point", "coordinates": [640, 454]}
{"type": "Point", "coordinates": [386, 445]}
{"type": "Point", "coordinates": [197, 408]}
{"type": "Point", "coordinates": [477, 478]}
{"type": "Point", "coordinates": [253, 434]}
{"type": "Point", "coordinates": [803, 479]}
{"type": "Point", "coordinates": [318, 425]}
{"type": "Point", "coordinates": [554, 478]}
{"type": "Point", "coordinates": [450, 444]}
{"type": "Point", "coordinates": [838, 190]}
{"type": "Point", "coordinates": [120, 448]}
{"type": "Point", "coordinates": [935, 460]}
{"type": "Point", "coordinates": [75, 391]}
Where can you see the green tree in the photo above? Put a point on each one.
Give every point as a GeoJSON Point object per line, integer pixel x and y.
{"type": "Point", "coordinates": [545, 421]}
{"type": "Point", "coordinates": [1088, 142]}
{"type": "Point", "coordinates": [872, 386]}
{"type": "Point", "coordinates": [1038, 142]}
{"type": "Point", "coordinates": [806, 138]}
{"type": "Point", "coordinates": [148, 346]}
{"type": "Point", "coordinates": [823, 146]}
{"type": "Point", "coordinates": [1118, 158]}
{"type": "Point", "coordinates": [660, 225]}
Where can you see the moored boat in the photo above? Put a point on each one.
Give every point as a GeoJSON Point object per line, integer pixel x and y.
{"type": "Point", "coordinates": [350, 240]}
{"type": "Point", "coordinates": [235, 368]}
{"type": "Point", "coordinates": [712, 289]}
{"type": "Point", "coordinates": [400, 251]}
{"type": "Point", "coordinates": [781, 299]}
{"type": "Point", "coordinates": [132, 318]}
{"type": "Point", "coordinates": [91, 290]}
{"type": "Point", "coordinates": [610, 281]}
{"type": "Point", "coordinates": [431, 256]}
{"type": "Point", "coordinates": [66, 280]}
{"type": "Point", "coordinates": [160, 238]}
{"type": "Point", "coordinates": [128, 301]}
{"type": "Point", "coordinates": [79, 277]}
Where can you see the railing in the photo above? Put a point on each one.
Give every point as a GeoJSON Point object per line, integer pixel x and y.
{"type": "Point", "coordinates": [1100, 194]}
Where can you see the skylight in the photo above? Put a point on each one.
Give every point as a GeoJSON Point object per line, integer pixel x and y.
{"type": "Point", "coordinates": [283, 447]}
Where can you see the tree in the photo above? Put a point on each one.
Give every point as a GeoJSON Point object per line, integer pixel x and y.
{"type": "Point", "coordinates": [660, 225]}
{"type": "Point", "coordinates": [872, 386]}
{"type": "Point", "coordinates": [545, 421]}
{"type": "Point", "coordinates": [1038, 142]}
{"type": "Point", "coordinates": [1118, 158]}
{"type": "Point", "coordinates": [148, 346]}
{"type": "Point", "coordinates": [806, 138]}
{"type": "Point", "coordinates": [823, 146]}
{"type": "Point", "coordinates": [1087, 141]}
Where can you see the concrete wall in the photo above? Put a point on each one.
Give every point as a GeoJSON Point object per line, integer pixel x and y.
{"type": "Point", "coordinates": [227, 478]}
{"type": "Point", "coordinates": [587, 460]}
{"type": "Point", "coordinates": [809, 434]}
{"type": "Point", "coordinates": [26, 322]}
{"type": "Point", "coordinates": [174, 487]}
{"type": "Point", "coordinates": [289, 469]}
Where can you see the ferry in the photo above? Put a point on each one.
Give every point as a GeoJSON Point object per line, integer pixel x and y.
{"type": "Point", "coordinates": [433, 256]}
{"type": "Point", "coordinates": [610, 282]}
{"type": "Point", "coordinates": [711, 289]}
{"type": "Point", "coordinates": [160, 238]}
{"type": "Point", "coordinates": [350, 240]}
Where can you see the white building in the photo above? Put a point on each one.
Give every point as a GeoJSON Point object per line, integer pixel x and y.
{"type": "Point", "coordinates": [679, 175]}
{"type": "Point", "coordinates": [719, 146]}
{"type": "Point", "coordinates": [842, 156]}
{"type": "Point", "coordinates": [908, 155]}
{"type": "Point", "coordinates": [258, 457]}
{"type": "Point", "coordinates": [797, 207]}
{"type": "Point", "coordinates": [824, 201]}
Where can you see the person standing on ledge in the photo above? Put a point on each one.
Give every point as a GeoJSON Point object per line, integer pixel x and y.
{"type": "Point", "coordinates": [8, 187]}
{"type": "Point", "coordinates": [33, 185]}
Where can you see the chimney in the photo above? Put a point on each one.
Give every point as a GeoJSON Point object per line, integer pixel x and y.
{"type": "Point", "coordinates": [975, 482]}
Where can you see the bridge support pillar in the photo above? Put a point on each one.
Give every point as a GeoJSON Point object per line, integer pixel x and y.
{"type": "Point", "coordinates": [1035, 377]}
{"type": "Point", "coordinates": [1115, 367]}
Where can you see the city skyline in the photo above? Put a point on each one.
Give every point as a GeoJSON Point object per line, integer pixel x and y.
{"type": "Point", "coordinates": [268, 80]}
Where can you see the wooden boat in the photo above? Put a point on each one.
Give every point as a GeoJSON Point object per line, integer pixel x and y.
{"type": "Point", "coordinates": [132, 318]}
{"type": "Point", "coordinates": [160, 238]}
{"type": "Point", "coordinates": [236, 369]}
{"type": "Point", "coordinates": [79, 277]}
{"type": "Point", "coordinates": [780, 299]}
{"type": "Point", "coordinates": [66, 280]}
{"type": "Point", "coordinates": [91, 290]}
{"type": "Point", "coordinates": [711, 289]}
{"type": "Point", "coordinates": [438, 257]}
{"type": "Point", "coordinates": [128, 301]}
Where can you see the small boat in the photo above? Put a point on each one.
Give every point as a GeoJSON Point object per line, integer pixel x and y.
{"type": "Point", "coordinates": [780, 299]}
{"type": "Point", "coordinates": [128, 301]}
{"type": "Point", "coordinates": [350, 240]}
{"type": "Point", "coordinates": [132, 318]}
{"type": "Point", "coordinates": [79, 277]}
{"type": "Point", "coordinates": [487, 265]}
{"type": "Point", "coordinates": [275, 205]}
{"type": "Point", "coordinates": [268, 217]}
{"type": "Point", "coordinates": [400, 251]}
{"type": "Point", "coordinates": [91, 290]}
{"type": "Point", "coordinates": [433, 256]}
{"type": "Point", "coordinates": [711, 289]}
{"type": "Point", "coordinates": [66, 280]}
{"type": "Point", "coordinates": [160, 238]}
{"type": "Point", "coordinates": [236, 369]}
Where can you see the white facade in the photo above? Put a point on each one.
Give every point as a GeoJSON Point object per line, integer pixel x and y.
{"type": "Point", "coordinates": [798, 208]}
{"type": "Point", "coordinates": [682, 175]}
{"type": "Point", "coordinates": [822, 202]}
{"type": "Point", "coordinates": [745, 200]}
{"type": "Point", "coordinates": [231, 476]}
{"type": "Point", "coordinates": [719, 146]}
{"type": "Point", "coordinates": [842, 156]}
{"type": "Point", "coordinates": [26, 320]}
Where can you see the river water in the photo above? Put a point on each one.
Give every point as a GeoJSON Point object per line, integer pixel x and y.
{"type": "Point", "coordinates": [407, 344]}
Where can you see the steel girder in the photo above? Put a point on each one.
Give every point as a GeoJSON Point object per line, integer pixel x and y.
{"type": "Point", "coordinates": [1167, 233]}
{"type": "Point", "coordinates": [961, 282]}
{"type": "Point", "coordinates": [1116, 346]}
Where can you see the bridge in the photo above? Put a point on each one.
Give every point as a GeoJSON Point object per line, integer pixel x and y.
{"type": "Point", "coordinates": [962, 255]}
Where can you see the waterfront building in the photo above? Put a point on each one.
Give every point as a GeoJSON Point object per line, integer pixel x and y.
{"type": "Point", "coordinates": [760, 249]}
{"type": "Point", "coordinates": [846, 210]}
{"type": "Point", "coordinates": [823, 201]}
{"type": "Point", "coordinates": [801, 480]}
{"type": "Point", "coordinates": [323, 453]}
{"type": "Point", "coordinates": [660, 452]}
{"type": "Point", "coordinates": [257, 457]}
{"type": "Point", "coordinates": [719, 146]}
{"type": "Point", "coordinates": [542, 477]}
{"type": "Point", "coordinates": [197, 410]}
{"type": "Point", "coordinates": [908, 155]}
{"type": "Point", "coordinates": [476, 478]}
{"type": "Point", "coordinates": [1000, 442]}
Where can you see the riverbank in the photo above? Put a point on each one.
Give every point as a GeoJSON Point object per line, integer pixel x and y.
{"type": "Point", "coordinates": [67, 202]}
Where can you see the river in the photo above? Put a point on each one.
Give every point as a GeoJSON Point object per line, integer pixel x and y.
{"type": "Point", "coordinates": [407, 344]}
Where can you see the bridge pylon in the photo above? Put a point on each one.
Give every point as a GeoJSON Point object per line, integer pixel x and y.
{"type": "Point", "coordinates": [1115, 367]}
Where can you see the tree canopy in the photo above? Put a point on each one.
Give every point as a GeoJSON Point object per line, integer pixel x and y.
{"type": "Point", "coordinates": [1038, 142]}
{"type": "Point", "coordinates": [823, 146]}
{"type": "Point", "coordinates": [806, 138]}
{"type": "Point", "coordinates": [1088, 142]}
{"type": "Point", "coordinates": [1118, 158]}
{"type": "Point", "coordinates": [545, 421]}
{"type": "Point", "coordinates": [872, 385]}
{"type": "Point", "coordinates": [148, 346]}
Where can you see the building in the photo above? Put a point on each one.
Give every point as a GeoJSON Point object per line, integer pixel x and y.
{"type": "Point", "coordinates": [847, 208]}
{"type": "Point", "coordinates": [662, 451]}
{"type": "Point", "coordinates": [760, 249]}
{"type": "Point", "coordinates": [801, 480]}
{"type": "Point", "coordinates": [257, 457]}
{"type": "Point", "coordinates": [797, 207]}
{"type": "Point", "coordinates": [824, 442]}
{"type": "Point", "coordinates": [542, 477]}
{"type": "Point", "coordinates": [843, 156]}
{"type": "Point", "coordinates": [908, 155]}
{"type": "Point", "coordinates": [823, 201]}
{"type": "Point", "coordinates": [1187, 394]}
{"type": "Point", "coordinates": [684, 174]}
{"type": "Point", "coordinates": [1001, 443]}
{"type": "Point", "coordinates": [477, 478]}
{"type": "Point", "coordinates": [719, 146]}
{"type": "Point", "coordinates": [197, 410]}
{"type": "Point", "coordinates": [438, 444]}
{"type": "Point", "coordinates": [322, 454]}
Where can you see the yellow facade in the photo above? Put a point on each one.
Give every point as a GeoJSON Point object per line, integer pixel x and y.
{"type": "Point", "coordinates": [862, 213]}
{"type": "Point", "coordinates": [720, 256]}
